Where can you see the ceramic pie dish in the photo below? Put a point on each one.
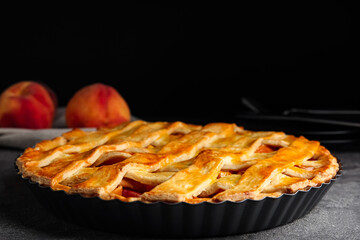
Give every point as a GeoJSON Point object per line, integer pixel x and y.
{"type": "Point", "coordinates": [177, 179]}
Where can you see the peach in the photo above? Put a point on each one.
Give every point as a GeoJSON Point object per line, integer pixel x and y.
{"type": "Point", "coordinates": [97, 105]}
{"type": "Point", "coordinates": [52, 94]}
{"type": "Point", "coordinates": [27, 104]}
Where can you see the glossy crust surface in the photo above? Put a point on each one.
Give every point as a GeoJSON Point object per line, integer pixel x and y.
{"type": "Point", "coordinates": [178, 162]}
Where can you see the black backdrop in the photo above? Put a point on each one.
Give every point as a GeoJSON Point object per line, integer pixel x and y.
{"type": "Point", "coordinates": [191, 60]}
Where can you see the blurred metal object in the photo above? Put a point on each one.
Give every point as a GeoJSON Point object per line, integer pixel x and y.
{"type": "Point", "coordinates": [321, 111]}
{"type": "Point", "coordinates": [329, 126]}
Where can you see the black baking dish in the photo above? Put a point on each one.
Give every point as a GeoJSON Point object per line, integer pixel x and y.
{"type": "Point", "coordinates": [161, 219]}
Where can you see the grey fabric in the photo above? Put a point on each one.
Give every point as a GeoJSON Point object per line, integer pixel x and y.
{"type": "Point", "coordinates": [22, 138]}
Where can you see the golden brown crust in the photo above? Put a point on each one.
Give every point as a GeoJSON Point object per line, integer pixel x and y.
{"type": "Point", "coordinates": [174, 162]}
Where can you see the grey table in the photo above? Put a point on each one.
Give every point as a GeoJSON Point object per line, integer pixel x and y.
{"type": "Point", "coordinates": [337, 216]}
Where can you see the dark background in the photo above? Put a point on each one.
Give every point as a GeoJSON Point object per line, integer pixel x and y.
{"type": "Point", "coordinates": [191, 60]}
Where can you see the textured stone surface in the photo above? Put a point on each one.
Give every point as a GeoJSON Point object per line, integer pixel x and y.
{"type": "Point", "coordinates": [337, 216]}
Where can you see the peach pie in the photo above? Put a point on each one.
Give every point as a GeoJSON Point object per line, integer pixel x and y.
{"type": "Point", "coordinates": [178, 162]}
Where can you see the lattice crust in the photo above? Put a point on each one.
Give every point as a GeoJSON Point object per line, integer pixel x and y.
{"type": "Point", "coordinates": [173, 162]}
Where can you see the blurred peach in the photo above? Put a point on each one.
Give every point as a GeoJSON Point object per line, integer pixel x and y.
{"type": "Point", "coordinates": [97, 105]}
{"type": "Point", "coordinates": [27, 104]}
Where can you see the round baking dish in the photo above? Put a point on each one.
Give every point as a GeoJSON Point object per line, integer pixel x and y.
{"type": "Point", "coordinates": [161, 219]}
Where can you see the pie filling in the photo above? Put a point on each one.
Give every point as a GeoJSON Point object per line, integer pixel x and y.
{"type": "Point", "coordinates": [178, 162]}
